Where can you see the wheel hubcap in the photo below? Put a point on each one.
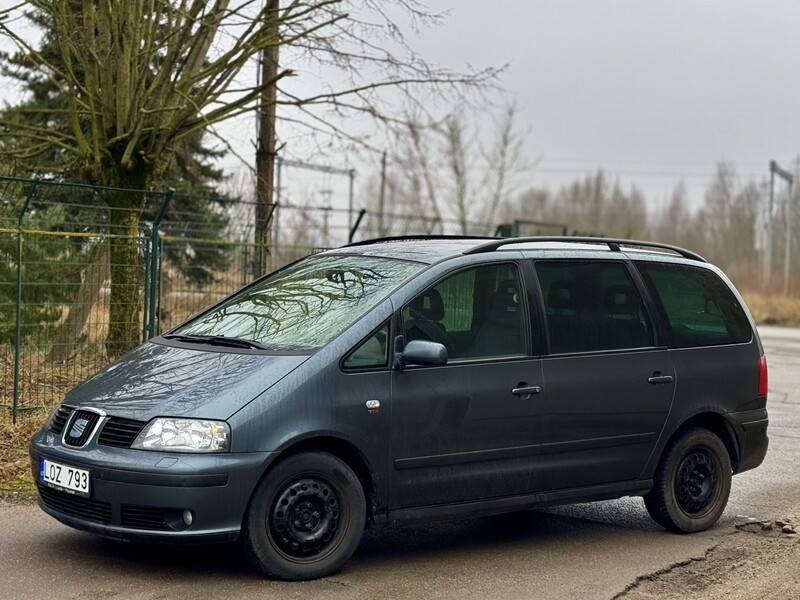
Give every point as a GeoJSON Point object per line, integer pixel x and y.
{"type": "Point", "coordinates": [696, 481]}
{"type": "Point", "coordinates": [304, 518]}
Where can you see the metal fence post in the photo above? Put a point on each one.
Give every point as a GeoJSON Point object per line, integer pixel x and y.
{"type": "Point", "coordinates": [354, 228]}
{"type": "Point", "coordinates": [245, 265]}
{"type": "Point", "coordinates": [18, 310]}
{"type": "Point", "coordinates": [155, 275]}
{"type": "Point", "coordinates": [148, 283]}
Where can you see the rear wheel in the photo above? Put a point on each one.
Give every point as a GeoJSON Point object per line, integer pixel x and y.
{"type": "Point", "coordinates": [306, 517]}
{"type": "Point", "coordinates": [692, 483]}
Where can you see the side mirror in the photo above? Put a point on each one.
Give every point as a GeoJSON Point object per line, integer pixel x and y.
{"type": "Point", "coordinates": [422, 352]}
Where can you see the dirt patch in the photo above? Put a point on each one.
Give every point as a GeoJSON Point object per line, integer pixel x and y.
{"type": "Point", "coordinates": [18, 498]}
{"type": "Point", "coordinates": [760, 560]}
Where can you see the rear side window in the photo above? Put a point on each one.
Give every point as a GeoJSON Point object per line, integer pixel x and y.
{"type": "Point", "coordinates": [592, 306]}
{"type": "Point", "coordinates": [697, 307]}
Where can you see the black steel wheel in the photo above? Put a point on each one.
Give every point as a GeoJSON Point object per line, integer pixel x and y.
{"type": "Point", "coordinates": [696, 482]}
{"type": "Point", "coordinates": [306, 517]}
{"type": "Point", "coordinates": [692, 483]}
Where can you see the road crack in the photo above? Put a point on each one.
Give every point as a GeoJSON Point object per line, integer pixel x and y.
{"type": "Point", "coordinates": [665, 571]}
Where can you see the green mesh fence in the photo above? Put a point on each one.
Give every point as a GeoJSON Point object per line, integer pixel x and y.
{"type": "Point", "coordinates": [59, 244]}
{"type": "Point", "coordinates": [78, 275]}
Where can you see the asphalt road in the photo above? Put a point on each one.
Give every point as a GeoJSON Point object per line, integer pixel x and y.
{"type": "Point", "coordinates": [590, 551]}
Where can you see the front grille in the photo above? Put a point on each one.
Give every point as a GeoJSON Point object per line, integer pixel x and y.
{"type": "Point", "coordinates": [144, 517]}
{"type": "Point", "coordinates": [59, 418]}
{"type": "Point", "coordinates": [80, 427]}
{"type": "Point", "coordinates": [119, 432]}
{"type": "Point", "coordinates": [76, 506]}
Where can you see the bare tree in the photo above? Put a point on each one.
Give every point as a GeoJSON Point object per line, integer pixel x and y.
{"type": "Point", "coordinates": [441, 168]}
{"type": "Point", "coordinates": [671, 223]}
{"type": "Point", "coordinates": [457, 149]}
{"type": "Point", "coordinates": [728, 220]}
{"type": "Point", "coordinates": [505, 162]}
{"type": "Point", "coordinates": [591, 205]}
{"type": "Point", "coordinates": [142, 77]}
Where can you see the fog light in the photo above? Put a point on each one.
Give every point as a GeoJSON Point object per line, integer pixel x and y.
{"type": "Point", "coordinates": [188, 517]}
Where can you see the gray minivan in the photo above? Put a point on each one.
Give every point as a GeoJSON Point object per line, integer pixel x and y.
{"type": "Point", "coordinates": [413, 379]}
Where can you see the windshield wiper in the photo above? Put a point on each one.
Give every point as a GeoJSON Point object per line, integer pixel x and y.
{"type": "Point", "coordinates": [216, 340]}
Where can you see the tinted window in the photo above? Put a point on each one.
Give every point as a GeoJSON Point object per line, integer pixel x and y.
{"type": "Point", "coordinates": [373, 352]}
{"type": "Point", "coordinates": [305, 305]}
{"type": "Point", "coordinates": [476, 313]}
{"type": "Point", "coordinates": [698, 307]}
{"type": "Point", "coordinates": [592, 306]}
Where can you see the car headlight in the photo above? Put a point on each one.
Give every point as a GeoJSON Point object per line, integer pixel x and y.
{"type": "Point", "coordinates": [184, 435]}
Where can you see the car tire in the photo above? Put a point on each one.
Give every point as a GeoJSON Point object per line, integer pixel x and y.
{"type": "Point", "coordinates": [305, 518]}
{"type": "Point", "coordinates": [692, 483]}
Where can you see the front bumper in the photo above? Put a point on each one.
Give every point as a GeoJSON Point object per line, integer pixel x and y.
{"type": "Point", "coordinates": [142, 495]}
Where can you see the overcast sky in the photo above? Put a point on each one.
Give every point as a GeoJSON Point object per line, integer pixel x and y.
{"type": "Point", "coordinates": [653, 91]}
{"type": "Point", "coordinates": [639, 87]}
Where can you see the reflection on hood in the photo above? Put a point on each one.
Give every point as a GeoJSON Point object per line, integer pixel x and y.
{"type": "Point", "coordinates": [160, 380]}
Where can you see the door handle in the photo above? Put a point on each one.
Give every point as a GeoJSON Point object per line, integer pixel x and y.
{"type": "Point", "coordinates": [526, 390]}
{"type": "Point", "coordinates": [659, 378]}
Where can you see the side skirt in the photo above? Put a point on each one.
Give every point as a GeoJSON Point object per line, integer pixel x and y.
{"type": "Point", "coordinates": [494, 506]}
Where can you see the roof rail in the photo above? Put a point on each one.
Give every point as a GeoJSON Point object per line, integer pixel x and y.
{"type": "Point", "coordinates": [613, 243]}
{"type": "Point", "coordinates": [409, 238]}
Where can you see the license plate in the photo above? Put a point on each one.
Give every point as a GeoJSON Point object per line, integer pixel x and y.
{"type": "Point", "coordinates": [64, 477]}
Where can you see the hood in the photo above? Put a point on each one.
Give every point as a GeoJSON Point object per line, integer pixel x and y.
{"type": "Point", "coordinates": [160, 380]}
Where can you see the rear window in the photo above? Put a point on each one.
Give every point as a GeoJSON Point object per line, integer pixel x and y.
{"type": "Point", "coordinates": [697, 308]}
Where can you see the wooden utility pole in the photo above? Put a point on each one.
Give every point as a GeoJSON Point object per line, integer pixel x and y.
{"type": "Point", "coordinates": [265, 149]}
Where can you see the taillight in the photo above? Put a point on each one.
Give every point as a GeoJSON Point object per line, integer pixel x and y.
{"type": "Point", "coordinates": [762, 376]}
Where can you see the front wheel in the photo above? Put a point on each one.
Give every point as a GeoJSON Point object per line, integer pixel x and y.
{"type": "Point", "coordinates": [306, 517]}
{"type": "Point", "coordinates": [692, 483]}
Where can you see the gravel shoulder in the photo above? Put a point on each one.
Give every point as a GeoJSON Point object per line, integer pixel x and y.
{"type": "Point", "coordinates": [756, 562]}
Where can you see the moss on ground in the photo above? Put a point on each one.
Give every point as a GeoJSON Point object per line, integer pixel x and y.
{"type": "Point", "coordinates": [21, 483]}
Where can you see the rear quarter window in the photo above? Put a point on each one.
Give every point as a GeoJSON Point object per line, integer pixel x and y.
{"type": "Point", "coordinates": [697, 308]}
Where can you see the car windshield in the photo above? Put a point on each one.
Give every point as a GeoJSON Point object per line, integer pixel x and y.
{"type": "Point", "coordinates": [305, 305]}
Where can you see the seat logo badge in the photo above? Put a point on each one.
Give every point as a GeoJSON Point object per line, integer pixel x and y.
{"type": "Point", "coordinates": [374, 406]}
{"type": "Point", "coordinates": [77, 428]}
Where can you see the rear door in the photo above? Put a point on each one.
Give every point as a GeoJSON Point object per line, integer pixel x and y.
{"type": "Point", "coordinates": [467, 430]}
{"type": "Point", "coordinates": [609, 382]}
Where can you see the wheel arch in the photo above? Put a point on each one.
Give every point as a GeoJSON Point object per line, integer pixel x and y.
{"type": "Point", "coordinates": [717, 424]}
{"type": "Point", "coordinates": [345, 451]}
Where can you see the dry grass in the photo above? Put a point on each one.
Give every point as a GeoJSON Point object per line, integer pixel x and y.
{"type": "Point", "coordinates": [773, 309]}
{"type": "Point", "coordinates": [15, 469]}
{"type": "Point", "coordinates": [42, 385]}
{"type": "Point", "coordinates": [42, 382]}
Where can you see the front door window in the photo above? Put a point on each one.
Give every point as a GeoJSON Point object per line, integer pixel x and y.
{"type": "Point", "coordinates": [477, 313]}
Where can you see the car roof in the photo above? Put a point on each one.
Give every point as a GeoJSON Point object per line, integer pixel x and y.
{"type": "Point", "coordinates": [425, 249]}
{"type": "Point", "coordinates": [431, 249]}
